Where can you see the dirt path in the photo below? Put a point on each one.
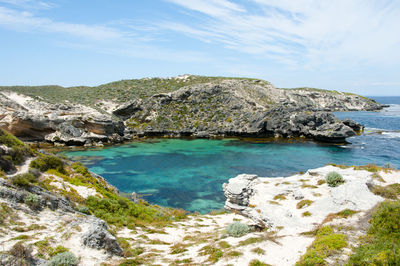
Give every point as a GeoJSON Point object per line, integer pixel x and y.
{"type": "Point", "coordinates": [24, 168]}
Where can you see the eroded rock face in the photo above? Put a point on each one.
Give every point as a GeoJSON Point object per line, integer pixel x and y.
{"type": "Point", "coordinates": [286, 122]}
{"type": "Point", "coordinates": [227, 107]}
{"type": "Point", "coordinates": [220, 110]}
{"type": "Point", "coordinates": [32, 119]}
{"type": "Point", "coordinates": [98, 237]}
{"type": "Point", "coordinates": [238, 192]}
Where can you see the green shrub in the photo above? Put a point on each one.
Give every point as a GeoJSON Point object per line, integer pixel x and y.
{"type": "Point", "coordinates": [237, 229]}
{"type": "Point", "coordinates": [386, 220]}
{"type": "Point", "coordinates": [382, 245]}
{"type": "Point", "coordinates": [325, 244]}
{"type": "Point", "coordinates": [57, 250]}
{"type": "Point", "coordinates": [63, 259]}
{"type": "Point", "coordinates": [122, 212]}
{"type": "Point", "coordinates": [32, 200]}
{"type": "Point", "coordinates": [80, 168]}
{"type": "Point", "coordinates": [334, 179]}
{"type": "Point", "coordinates": [20, 150]}
{"type": "Point", "coordinates": [83, 209]}
{"type": "Point", "coordinates": [46, 162]}
{"type": "Point", "coordinates": [23, 180]}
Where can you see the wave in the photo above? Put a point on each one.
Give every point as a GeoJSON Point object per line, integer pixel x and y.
{"type": "Point", "coordinates": [382, 132]}
{"type": "Point", "coordinates": [392, 135]}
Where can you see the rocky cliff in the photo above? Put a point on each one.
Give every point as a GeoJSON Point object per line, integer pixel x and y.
{"type": "Point", "coordinates": [182, 106]}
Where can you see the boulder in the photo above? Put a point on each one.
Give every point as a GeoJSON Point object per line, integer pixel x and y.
{"type": "Point", "coordinates": [98, 237]}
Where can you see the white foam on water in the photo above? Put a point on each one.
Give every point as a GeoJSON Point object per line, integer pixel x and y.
{"type": "Point", "coordinates": [392, 134]}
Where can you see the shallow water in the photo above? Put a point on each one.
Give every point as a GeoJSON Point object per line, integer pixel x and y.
{"type": "Point", "coordinates": [189, 173]}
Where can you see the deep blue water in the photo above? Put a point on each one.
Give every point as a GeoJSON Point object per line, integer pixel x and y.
{"type": "Point", "coordinates": [189, 173]}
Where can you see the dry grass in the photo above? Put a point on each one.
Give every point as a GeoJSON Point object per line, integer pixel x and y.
{"type": "Point", "coordinates": [339, 215]}
{"type": "Point", "coordinates": [280, 197]}
{"type": "Point", "coordinates": [303, 203]}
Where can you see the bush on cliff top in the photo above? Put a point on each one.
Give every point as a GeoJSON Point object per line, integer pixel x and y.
{"type": "Point", "coordinates": [237, 229]}
{"type": "Point", "coordinates": [63, 259]}
{"type": "Point", "coordinates": [47, 162]}
{"type": "Point", "coordinates": [334, 179]}
{"type": "Point", "coordinates": [24, 180]}
{"type": "Point", "coordinates": [19, 150]}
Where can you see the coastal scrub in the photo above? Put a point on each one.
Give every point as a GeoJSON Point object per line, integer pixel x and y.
{"type": "Point", "coordinates": [326, 243]}
{"type": "Point", "coordinates": [334, 179]}
{"type": "Point", "coordinates": [382, 244]}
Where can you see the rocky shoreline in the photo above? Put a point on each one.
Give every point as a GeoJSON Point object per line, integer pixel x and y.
{"type": "Point", "coordinates": [51, 207]}
{"type": "Point", "coordinates": [198, 107]}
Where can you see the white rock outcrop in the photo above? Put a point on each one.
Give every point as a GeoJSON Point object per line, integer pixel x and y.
{"type": "Point", "coordinates": [275, 200]}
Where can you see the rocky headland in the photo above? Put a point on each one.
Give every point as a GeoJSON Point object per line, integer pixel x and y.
{"type": "Point", "coordinates": [184, 106]}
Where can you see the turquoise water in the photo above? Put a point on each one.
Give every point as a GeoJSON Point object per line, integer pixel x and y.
{"type": "Point", "coordinates": [189, 174]}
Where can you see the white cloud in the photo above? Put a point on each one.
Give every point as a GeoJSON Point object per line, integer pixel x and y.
{"type": "Point", "coordinates": [111, 39]}
{"type": "Point", "coordinates": [310, 33]}
{"type": "Point", "coordinates": [23, 20]}
{"type": "Point", "coordinates": [30, 4]}
{"type": "Point", "coordinates": [210, 7]}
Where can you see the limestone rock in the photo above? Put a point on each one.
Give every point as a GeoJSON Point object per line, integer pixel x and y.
{"type": "Point", "coordinates": [98, 237]}
{"type": "Point", "coordinates": [217, 108]}
{"type": "Point", "coordinates": [257, 199]}
{"type": "Point", "coordinates": [238, 191]}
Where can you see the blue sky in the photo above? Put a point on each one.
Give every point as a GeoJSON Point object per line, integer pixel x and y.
{"type": "Point", "coordinates": [347, 45]}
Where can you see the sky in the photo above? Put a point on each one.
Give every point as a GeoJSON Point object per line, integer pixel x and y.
{"type": "Point", "coordinates": [345, 45]}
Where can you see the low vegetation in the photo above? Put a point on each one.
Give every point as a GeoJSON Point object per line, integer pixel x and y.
{"type": "Point", "coordinates": [117, 91]}
{"type": "Point", "coordinates": [6, 213]}
{"type": "Point", "coordinates": [334, 179]}
{"type": "Point", "coordinates": [237, 229]}
{"type": "Point", "coordinates": [24, 180]}
{"type": "Point", "coordinates": [47, 162]}
{"type": "Point", "coordinates": [303, 203]}
{"type": "Point", "coordinates": [18, 151]}
{"type": "Point", "coordinates": [251, 240]}
{"type": "Point", "coordinates": [388, 192]}
{"type": "Point", "coordinates": [213, 253]}
{"type": "Point", "coordinates": [326, 243]}
{"type": "Point", "coordinates": [22, 254]}
{"type": "Point", "coordinates": [280, 197]}
{"type": "Point", "coordinates": [32, 201]}
{"type": "Point", "coordinates": [258, 251]}
{"type": "Point", "coordinates": [342, 214]}
{"type": "Point", "coordinates": [65, 259]}
{"type": "Point", "coordinates": [257, 263]}
{"type": "Point", "coordinates": [381, 246]}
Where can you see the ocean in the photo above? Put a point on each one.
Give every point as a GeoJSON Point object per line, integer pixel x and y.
{"type": "Point", "coordinates": [189, 174]}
